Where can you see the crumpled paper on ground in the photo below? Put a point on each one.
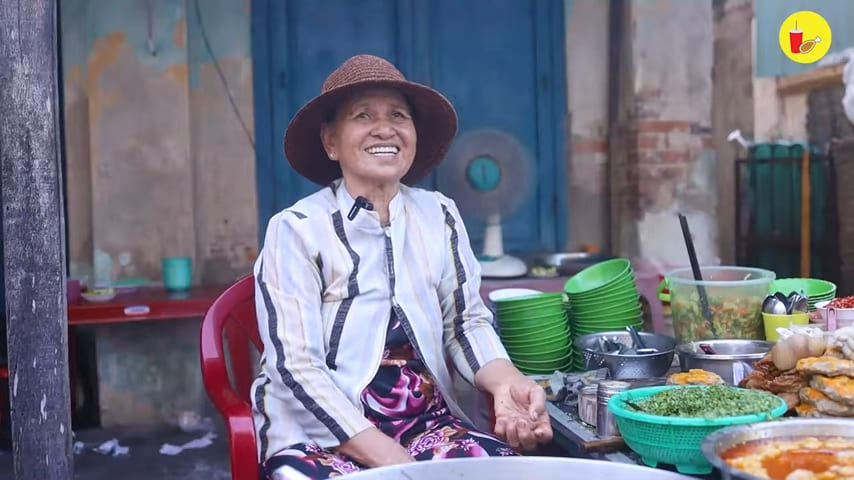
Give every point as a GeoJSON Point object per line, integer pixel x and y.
{"type": "Point", "coordinates": [205, 440]}
{"type": "Point", "coordinates": [111, 447]}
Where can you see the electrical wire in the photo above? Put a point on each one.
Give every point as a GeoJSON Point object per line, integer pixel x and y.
{"type": "Point", "coordinates": [221, 74]}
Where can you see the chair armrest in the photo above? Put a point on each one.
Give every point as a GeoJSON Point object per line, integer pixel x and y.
{"type": "Point", "coordinates": [241, 436]}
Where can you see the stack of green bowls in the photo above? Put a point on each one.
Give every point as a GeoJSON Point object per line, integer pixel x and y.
{"type": "Point", "coordinates": [600, 298]}
{"type": "Point", "coordinates": [535, 332]}
{"type": "Point", "coordinates": [816, 290]}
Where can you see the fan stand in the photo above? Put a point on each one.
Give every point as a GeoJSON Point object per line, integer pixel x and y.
{"type": "Point", "coordinates": [494, 263]}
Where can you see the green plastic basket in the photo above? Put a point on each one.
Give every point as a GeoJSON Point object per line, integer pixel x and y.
{"type": "Point", "coordinates": [673, 440]}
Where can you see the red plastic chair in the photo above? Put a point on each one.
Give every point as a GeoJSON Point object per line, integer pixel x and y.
{"type": "Point", "coordinates": [232, 316]}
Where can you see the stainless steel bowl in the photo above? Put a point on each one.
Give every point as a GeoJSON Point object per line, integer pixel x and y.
{"type": "Point", "coordinates": [733, 359]}
{"type": "Point", "coordinates": [514, 468]}
{"type": "Point", "coordinates": [566, 263]}
{"type": "Point", "coordinates": [722, 440]}
{"type": "Point", "coordinates": [628, 366]}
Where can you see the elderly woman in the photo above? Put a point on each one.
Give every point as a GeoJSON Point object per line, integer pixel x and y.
{"type": "Point", "coordinates": [368, 295]}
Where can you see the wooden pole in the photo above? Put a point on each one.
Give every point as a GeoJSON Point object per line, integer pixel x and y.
{"type": "Point", "coordinates": [34, 240]}
{"type": "Point", "coordinates": [806, 227]}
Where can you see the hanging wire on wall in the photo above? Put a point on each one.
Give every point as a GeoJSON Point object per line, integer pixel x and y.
{"type": "Point", "coordinates": [221, 75]}
{"type": "Point", "coordinates": [149, 12]}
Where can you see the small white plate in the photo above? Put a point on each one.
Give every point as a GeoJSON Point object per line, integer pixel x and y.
{"type": "Point", "coordinates": [505, 293]}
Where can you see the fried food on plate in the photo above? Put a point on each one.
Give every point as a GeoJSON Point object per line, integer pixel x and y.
{"type": "Point", "coordinates": [825, 405]}
{"type": "Point", "coordinates": [839, 389]}
{"type": "Point", "coordinates": [827, 366]}
{"type": "Point", "coordinates": [695, 376]}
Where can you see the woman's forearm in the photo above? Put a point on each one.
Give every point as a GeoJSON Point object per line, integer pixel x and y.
{"type": "Point", "coordinates": [373, 448]}
{"type": "Point", "coordinates": [494, 374]}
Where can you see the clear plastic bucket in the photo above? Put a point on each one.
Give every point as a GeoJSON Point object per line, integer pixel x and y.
{"type": "Point", "coordinates": [734, 295]}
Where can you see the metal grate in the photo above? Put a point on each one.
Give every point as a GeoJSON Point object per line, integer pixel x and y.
{"type": "Point", "coordinates": [768, 213]}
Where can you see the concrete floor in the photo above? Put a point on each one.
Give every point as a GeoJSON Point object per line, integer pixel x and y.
{"type": "Point", "coordinates": [143, 461]}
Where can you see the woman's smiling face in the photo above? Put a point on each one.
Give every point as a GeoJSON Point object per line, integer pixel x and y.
{"type": "Point", "coordinates": [372, 137]}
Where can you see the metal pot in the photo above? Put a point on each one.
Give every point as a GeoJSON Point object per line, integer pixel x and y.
{"type": "Point", "coordinates": [622, 366]}
{"type": "Point", "coordinates": [722, 440]}
{"type": "Point", "coordinates": [733, 359]}
{"type": "Point", "coordinates": [514, 468]}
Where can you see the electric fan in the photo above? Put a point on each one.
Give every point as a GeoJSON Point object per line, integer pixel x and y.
{"type": "Point", "coordinates": [488, 174]}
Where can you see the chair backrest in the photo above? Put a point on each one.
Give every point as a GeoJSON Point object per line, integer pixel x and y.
{"type": "Point", "coordinates": [231, 322]}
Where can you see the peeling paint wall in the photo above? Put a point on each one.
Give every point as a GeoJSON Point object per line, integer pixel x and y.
{"type": "Point", "coordinates": [158, 162]}
{"type": "Point", "coordinates": [587, 78]}
{"type": "Point", "coordinates": [732, 106]}
{"type": "Point", "coordinates": [665, 162]}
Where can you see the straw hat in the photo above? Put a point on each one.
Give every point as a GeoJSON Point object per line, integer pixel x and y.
{"type": "Point", "coordinates": [434, 117]}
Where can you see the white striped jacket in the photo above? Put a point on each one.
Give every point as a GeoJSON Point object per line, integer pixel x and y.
{"type": "Point", "coordinates": [325, 288]}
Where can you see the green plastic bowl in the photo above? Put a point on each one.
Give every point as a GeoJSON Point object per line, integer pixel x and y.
{"type": "Point", "coordinates": [543, 355]}
{"type": "Point", "coordinates": [674, 440]}
{"type": "Point", "coordinates": [606, 308]}
{"type": "Point", "coordinates": [540, 346]}
{"type": "Point", "coordinates": [536, 349]}
{"type": "Point", "coordinates": [548, 363]}
{"type": "Point", "coordinates": [529, 300]}
{"type": "Point", "coordinates": [812, 287]}
{"type": "Point", "coordinates": [597, 276]}
{"type": "Point", "coordinates": [630, 313]}
{"type": "Point", "coordinates": [606, 314]}
{"type": "Point", "coordinates": [619, 285]}
{"type": "Point", "coordinates": [607, 297]}
{"type": "Point", "coordinates": [533, 321]}
{"type": "Point", "coordinates": [534, 330]}
{"type": "Point", "coordinates": [535, 337]}
{"type": "Point", "coordinates": [517, 315]}
{"type": "Point", "coordinates": [525, 345]}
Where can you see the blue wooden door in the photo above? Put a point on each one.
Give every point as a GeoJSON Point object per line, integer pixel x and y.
{"type": "Point", "coordinates": [501, 62]}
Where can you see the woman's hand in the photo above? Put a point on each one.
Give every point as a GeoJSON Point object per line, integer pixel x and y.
{"type": "Point", "coordinates": [373, 448]}
{"type": "Point", "coordinates": [520, 404]}
{"type": "Point", "coordinates": [520, 414]}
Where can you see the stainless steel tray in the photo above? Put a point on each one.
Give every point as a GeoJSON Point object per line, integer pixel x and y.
{"type": "Point", "coordinates": [515, 468]}
{"type": "Point", "coordinates": [722, 440]}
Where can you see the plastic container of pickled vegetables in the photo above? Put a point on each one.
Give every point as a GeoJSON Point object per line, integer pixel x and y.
{"type": "Point", "coordinates": [734, 297]}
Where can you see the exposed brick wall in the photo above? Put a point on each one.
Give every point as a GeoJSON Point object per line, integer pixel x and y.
{"type": "Point", "coordinates": [665, 152]}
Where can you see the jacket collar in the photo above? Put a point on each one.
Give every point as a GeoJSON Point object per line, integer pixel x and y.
{"type": "Point", "coordinates": [368, 219]}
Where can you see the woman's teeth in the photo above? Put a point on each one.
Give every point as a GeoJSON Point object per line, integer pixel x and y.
{"type": "Point", "coordinates": [383, 150]}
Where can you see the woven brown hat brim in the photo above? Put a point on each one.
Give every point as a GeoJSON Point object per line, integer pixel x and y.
{"type": "Point", "coordinates": [435, 126]}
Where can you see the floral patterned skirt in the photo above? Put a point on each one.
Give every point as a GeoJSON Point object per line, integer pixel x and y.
{"type": "Point", "coordinates": [403, 402]}
{"type": "Point", "coordinates": [448, 438]}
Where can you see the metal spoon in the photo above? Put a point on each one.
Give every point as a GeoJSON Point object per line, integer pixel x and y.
{"type": "Point", "coordinates": [637, 344]}
{"type": "Point", "coordinates": [774, 305]}
{"type": "Point", "coordinates": [797, 303]}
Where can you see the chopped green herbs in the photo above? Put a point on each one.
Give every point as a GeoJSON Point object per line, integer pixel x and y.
{"type": "Point", "coordinates": [706, 402]}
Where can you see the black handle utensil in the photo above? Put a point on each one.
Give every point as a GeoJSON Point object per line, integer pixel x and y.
{"type": "Point", "coordinates": [698, 276]}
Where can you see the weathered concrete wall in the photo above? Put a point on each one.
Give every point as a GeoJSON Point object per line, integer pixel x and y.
{"type": "Point", "coordinates": [732, 106]}
{"type": "Point", "coordinates": [587, 81]}
{"type": "Point", "coordinates": [666, 163]}
{"type": "Point", "coordinates": [158, 165]}
{"type": "Point", "coordinates": [221, 141]}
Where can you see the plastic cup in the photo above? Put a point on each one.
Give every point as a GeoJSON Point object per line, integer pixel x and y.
{"type": "Point", "coordinates": [773, 322]}
{"type": "Point", "coordinates": [177, 273]}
